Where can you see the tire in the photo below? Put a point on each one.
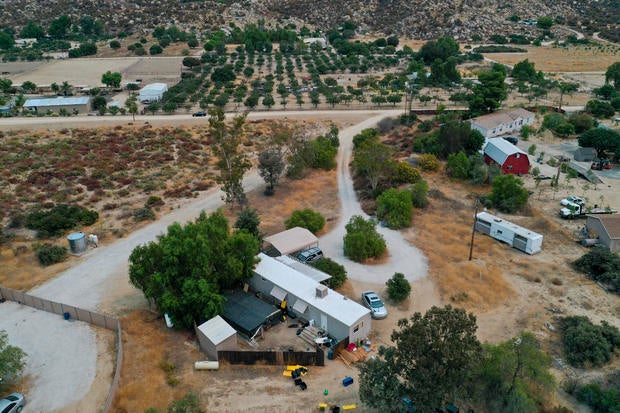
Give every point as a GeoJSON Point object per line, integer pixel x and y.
{"type": "Point", "coordinates": [19, 409]}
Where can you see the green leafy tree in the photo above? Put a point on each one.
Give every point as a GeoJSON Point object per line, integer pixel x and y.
{"type": "Point", "coordinates": [156, 49]}
{"type": "Point", "coordinates": [602, 140]}
{"type": "Point", "coordinates": [232, 161]}
{"type": "Point", "coordinates": [268, 101]}
{"type": "Point", "coordinates": [544, 22]}
{"type": "Point", "coordinates": [459, 166]}
{"type": "Point", "coordinates": [184, 271]}
{"type": "Point", "coordinates": [29, 87]}
{"type": "Point", "coordinates": [514, 376]}
{"type": "Point", "coordinates": [362, 241]}
{"type": "Point", "coordinates": [459, 136]}
{"type": "Point", "coordinates": [395, 207]}
{"type": "Point", "coordinates": [32, 31]}
{"type": "Point", "coordinates": [489, 94]}
{"type": "Point", "coordinates": [379, 383]}
{"type": "Point", "coordinates": [582, 122]}
{"type": "Point", "coordinates": [59, 27]}
{"type": "Point", "coordinates": [508, 193]}
{"type": "Point", "coordinates": [11, 360]}
{"type": "Point", "coordinates": [115, 44]}
{"type": "Point", "coordinates": [612, 75]}
{"type": "Point", "coordinates": [248, 220]}
{"type": "Point", "coordinates": [431, 362]}
{"type": "Point", "coordinates": [6, 40]}
{"type": "Point", "coordinates": [270, 168]}
{"type": "Point", "coordinates": [525, 71]}
{"type": "Point", "coordinates": [252, 100]}
{"type": "Point", "coordinates": [599, 109]}
{"type": "Point", "coordinates": [372, 162]}
{"type": "Point", "coordinates": [306, 218]}
{"type": "Point", "coordinates": [398, 288]}
{"type": "Point", "coordinates": [331, 267]}
{"type": "Point", "coordinates": [442, 48]}
{"type": "Point", "coordinates": [111, 79]}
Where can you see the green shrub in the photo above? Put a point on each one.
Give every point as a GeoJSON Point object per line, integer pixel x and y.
{"type": "Point", "coordinates": [526, 131]}
{"type": "Point", "coordinates": [531, 150]}
{"type": "Point", "coordinates": [366, 136]}
{"type": "Point", "coordinates": [54, 222]}
{"type": "Point", "coordinates": [331, 267]}
{"type": "Point", "coordinates": [599, 399]}
{"type": "Point", "coordinates": [428, 162]}
{"type": "Point", "coordinates": [419, 191]}
{"type": "Point", "coordinates": [406, 174]}
{"type": "Point", "coordinates": [323, 154]}
{"type": "Point", "coordinates": [425, 125]}
{"type": "Point", "coordinates": [398, 287]}
{"type": "Point", "coordinates": [601, 265]}
{"type": "Point", "coordinates": [306, 218]}
{"type": "Point", "coordinates": [153, 201]}
{"type": "Point", "coordinates": [508, 193]}
{"type": "Point", "coordinates": [362, 241]}
{"type": "Point", "coordinates": [50, 254]}
{"type": "Point", "coordinates": [553, 120]}
{"type": "Point", "coordinates": [458, 166]}
{"type": "Point", "coordinates": [395, 207]}
{"type": "Point", "coordinates": [586, 344]}
{"type": "Point", "coordinates": [143, 214]}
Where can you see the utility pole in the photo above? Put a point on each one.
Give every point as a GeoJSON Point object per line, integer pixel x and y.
{"type": "Point", "coordinates": [473, 230]}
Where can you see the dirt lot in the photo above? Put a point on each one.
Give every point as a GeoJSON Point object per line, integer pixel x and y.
{"type": "Point", "coordinates": [87, 72]}
{"type": "Point", "coordinates": [582, 58]}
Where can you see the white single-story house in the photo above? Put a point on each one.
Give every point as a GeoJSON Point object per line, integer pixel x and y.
{"type": "Point", "coordinates": [502, 122]}
{"type": "Point", "coordinates": [290, 241]}
{"type": "Point", "coordinates": [152, 93]}
{"type": "Point", "coordinates": [70, 104]}
{"type": "Point", "coordinates": [310, 300]}
{"type": "Point", "coordinates": [607, 227]}
{"type": "Point", "coordinates": [216, 335]}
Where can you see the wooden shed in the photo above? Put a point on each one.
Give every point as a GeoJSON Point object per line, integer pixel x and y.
{"type": "Point", "coordinates": [216, 335]}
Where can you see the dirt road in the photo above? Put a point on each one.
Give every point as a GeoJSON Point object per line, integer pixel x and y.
{"type": "Point", "coordinates": [63, 356]}
{"type": "Point", "coordinates": [403, 257]}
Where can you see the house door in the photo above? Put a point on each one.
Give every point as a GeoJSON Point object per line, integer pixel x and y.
{"type": "Point", "coordinates": [324, 322]}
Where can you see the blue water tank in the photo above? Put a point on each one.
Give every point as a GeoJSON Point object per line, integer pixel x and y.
{"type": "Point", "coordinates": [77, 242]}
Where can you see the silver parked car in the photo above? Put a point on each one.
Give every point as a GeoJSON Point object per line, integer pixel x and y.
{"type": "Point", "coordinates": [371, 300]}
{"type": "Point", "coordinates": [13, 403]}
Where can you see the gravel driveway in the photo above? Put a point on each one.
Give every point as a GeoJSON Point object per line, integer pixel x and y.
{"type": "Point", "coordinates": [62, 355]}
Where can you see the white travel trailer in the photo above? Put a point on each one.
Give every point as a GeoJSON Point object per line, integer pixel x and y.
{"type": "Point", "coordinates": [517, 237]}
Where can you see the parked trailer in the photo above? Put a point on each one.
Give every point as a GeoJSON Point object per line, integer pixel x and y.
{"type": "Point", "coordinates": [517, 237]}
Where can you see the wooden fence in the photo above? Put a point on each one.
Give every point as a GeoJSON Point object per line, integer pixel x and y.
{"type": "Point", "coordinates": [304, 358]}
{"type": "Point", "coordinates": [80, 314]}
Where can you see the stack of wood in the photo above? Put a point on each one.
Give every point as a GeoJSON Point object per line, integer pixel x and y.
{"type": "Point", "coordinates": [351, 357]}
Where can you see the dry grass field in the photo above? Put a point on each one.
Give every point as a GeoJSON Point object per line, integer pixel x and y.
{"type": "Point", "coordinates": [88, 71]}
{"type": "Point", "coordinates": [582, 58]}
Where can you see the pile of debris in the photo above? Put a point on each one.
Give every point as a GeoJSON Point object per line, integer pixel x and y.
{"type": "Point", "coordinates": [353, 354]}
{"type": "Point", "coordinates": [296, 372]}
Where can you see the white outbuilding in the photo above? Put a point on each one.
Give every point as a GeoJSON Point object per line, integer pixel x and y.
{"type": "Point", "coordinates": [153, 92]}
{"type": "Point", "coordinates": [216, 335]}
{"type": "Point", "coordinates": [517, 237]}
{"type": "Point", "coordinates": [310, 300]}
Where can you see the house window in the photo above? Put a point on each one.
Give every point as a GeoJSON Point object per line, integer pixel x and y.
{"type": "Point", "coordinates": [518, 155]}
{"type": "Point", "coordinates": [499, 231]}
{"type": "Point", "coordinates": [509, 167]}
{"type": "Point", "coordinates": [356, 328]}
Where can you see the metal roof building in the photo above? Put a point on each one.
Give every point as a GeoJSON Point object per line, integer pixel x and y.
{"type": "Point", "coordinates": [316, 275]}
{"type": "Point", "coordinates": [153, 92]}
{"type": "Point", "coordinates": [215, 335]}
{"type": "Point", "coordinates": [340, 316]}
{"type": "Point", "coordinates": [509, 157]}
{"type": "Point", "coordinates": [70, 104]}
{"type": "Point", "coordinates": [607, 227]}
{"type": "Point", "coordinates": [291, 240]}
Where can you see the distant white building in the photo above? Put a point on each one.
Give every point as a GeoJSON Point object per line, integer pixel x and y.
{"type": "Point", "coordinates": [502, 122]}
{"type": "Point", "coordinates": [321, 41]}
{"type": "Point", "coordinates": [153, 92]}
{"type": "Point", "coordinates": [70, 104]}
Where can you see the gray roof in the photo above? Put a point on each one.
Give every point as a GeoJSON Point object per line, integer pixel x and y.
{"type": "Point", "coordinates": [216, 330]}
{"type": "Point", "coordinates": [303, 288]}
{"type": "Point", "coordinates": [499, 149]}
{"type": "Point", "coordinates": [495, 119]}
{"type": "Point", "coordinates": [57, 101]}
{"type": "Point", "coordinates": [292, 240]}
{"type": "Point", "coordinates": [316, 275]}
{"type": "Point", "coordinates": [154, 88]}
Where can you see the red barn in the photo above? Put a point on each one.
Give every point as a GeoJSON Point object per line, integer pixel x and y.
{"type": "Point", "coordinates": [507, 156]}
